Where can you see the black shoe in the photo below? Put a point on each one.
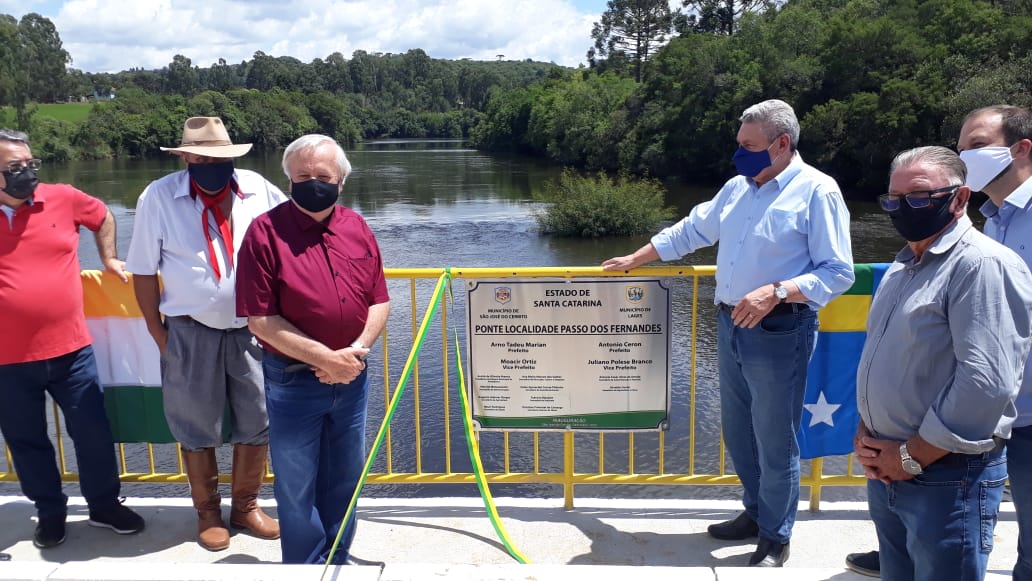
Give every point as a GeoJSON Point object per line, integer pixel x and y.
{"type": "Point", "coordinates": [864, 563]}
{"type": "Point", "coordinates": [50, 532]}
{"type": "Point", "coordinates": [769, 554]}
{"type": "Point", "coordinates": [741, 527]}
{"type": "Point", "coordinates": [119, 518]}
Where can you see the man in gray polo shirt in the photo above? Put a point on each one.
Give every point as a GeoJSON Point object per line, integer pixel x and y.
{"type": "Point", "coordinates": [948, 334]}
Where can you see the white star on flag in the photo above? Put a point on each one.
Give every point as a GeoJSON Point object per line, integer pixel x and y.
{"type": "Point", "coordinates": [821, 411]}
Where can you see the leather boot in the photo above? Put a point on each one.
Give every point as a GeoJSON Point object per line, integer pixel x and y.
{"type": "Point", "coordinates": [248, 471]}
{"type": "Point", "coordinates": [203, 473]}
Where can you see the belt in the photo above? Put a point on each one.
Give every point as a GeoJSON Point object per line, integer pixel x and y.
{"type": "Point", "coordinates": [960, 458]}
{"type": "Point", "coordinates": [290, 364]}
{"type": "Point", "coordinates": [189, 319]}
{"type": "Point", "coordinates": [778, 310]}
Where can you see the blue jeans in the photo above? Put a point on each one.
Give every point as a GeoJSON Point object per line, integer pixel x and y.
{"type": "Point", "coordinates": [762, 383]}
{"type": "Point", "coordinates": [317, 441]}
{"type": "Point", "coordinates": [72, 381]}
{"type": "Point", "coordinates": [1019, 470]}
{"type": "Point", "coordinates": [939, 525]}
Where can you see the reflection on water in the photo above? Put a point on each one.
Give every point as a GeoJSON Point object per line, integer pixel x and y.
{"type": "Point", "coordinates": [436, 203]}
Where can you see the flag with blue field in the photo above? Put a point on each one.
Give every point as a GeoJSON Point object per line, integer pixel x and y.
{"type": "Point", "coordinates": [830, 416]}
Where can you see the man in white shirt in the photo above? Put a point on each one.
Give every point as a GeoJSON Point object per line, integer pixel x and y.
{"type": "Point", "coordinates": [188, 227]}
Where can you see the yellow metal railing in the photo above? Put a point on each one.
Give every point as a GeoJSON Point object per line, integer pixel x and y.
{"type": "Point", "coordinates": [509, 457]}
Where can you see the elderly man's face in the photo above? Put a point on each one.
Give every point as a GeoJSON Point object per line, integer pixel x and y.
{"type": "Point", "coordinates": [13, 156]}
{"type": "Point", "coordinates": [917, 177]}
{"type": "Point", "coordinates": [315, 164]}
{"type": "Point", "coordinates": [752, 137]}
{"type": "Point", "coordinates": [930, 190]}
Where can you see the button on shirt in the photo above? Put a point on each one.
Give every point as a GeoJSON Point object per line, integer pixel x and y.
{"type": "Point", "coordinates": [794, 227]}
{"type": "Point", "coordinates": [1011, 225]}
{"type": "Point", "coordinates": [947, 339]}
{"type": "Point", "coordinates": [321, 277]}
{"type": "Point", "coordinates": [167, 238]}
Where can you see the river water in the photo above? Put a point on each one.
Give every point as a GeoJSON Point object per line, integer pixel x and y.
{"type": "Point", "coordinates": [439, 203]}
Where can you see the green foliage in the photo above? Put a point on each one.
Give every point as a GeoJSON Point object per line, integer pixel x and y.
{"type": "Point", "coordinates": [630, 31]}
{"type": "Point", "coordinates": [592, 207]}
{"type": "Point", "coordinates": [867, 78]}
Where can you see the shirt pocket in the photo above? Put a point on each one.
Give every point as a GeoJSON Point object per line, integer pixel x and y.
{"type": "Point", "coordinates": [777, 225]}
{"type": "Point", "coordinates": [361, 272]}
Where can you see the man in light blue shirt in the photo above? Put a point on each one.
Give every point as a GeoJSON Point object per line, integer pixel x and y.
{"type": "Point", "coordinates": [784, 252]}
{"type": "Point", "coordinates": [996, 146]}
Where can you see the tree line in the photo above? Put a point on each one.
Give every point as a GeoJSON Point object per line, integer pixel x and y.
{"type": "Point", "coordinates": [661, 96]}
{"type": "Point", "coordinates": [867, 78]}
{"type": "Point", "coordinates": [265, 100]}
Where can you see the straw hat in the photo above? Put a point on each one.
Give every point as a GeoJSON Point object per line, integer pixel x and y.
{"type": "Point", "coordinates": [208, 136]}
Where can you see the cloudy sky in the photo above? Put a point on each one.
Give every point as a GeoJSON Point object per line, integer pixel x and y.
{"type": "Point", "coordinates": [113, 35]}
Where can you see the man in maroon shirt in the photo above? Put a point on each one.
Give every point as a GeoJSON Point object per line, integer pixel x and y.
{"type": "Point", "coordinates": [310, 282]}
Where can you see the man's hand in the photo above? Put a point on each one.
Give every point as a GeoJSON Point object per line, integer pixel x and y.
{"type": "Point", "coordinates": [754, 306]}
{"type": "Point", "coordinates": [117, 268]}
{"type": "Point", "coordinates": [862, 451]}
{"type": "Point", "coordinates": [159, 333]}
{"type": "Point", "coordinates": [643, 255]}
{"type": "Point", "coordinates": [885, 462]}
{"type": "Point", "coordinates": [620, 263]}
{"type": "Point", "coordinates": [344, 366]}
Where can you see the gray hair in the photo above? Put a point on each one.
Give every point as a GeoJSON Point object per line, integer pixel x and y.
{"type": "Point", "coordinates": [935, 156]}
{"type": "Point", "coordinates": [776, 117]}
{"type": "Point", "coordinates": [10, 135]}
{"type": "Point", "coordinates": [311, 142]}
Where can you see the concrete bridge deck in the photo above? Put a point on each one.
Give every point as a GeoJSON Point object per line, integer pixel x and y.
{"type": "Point", "coordinates": [452, 539]}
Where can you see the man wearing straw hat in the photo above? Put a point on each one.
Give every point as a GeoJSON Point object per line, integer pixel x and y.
{"type": "Point", "coordinates": [188, 227]}
{"type": "Point", "coordinates": [312, 286]}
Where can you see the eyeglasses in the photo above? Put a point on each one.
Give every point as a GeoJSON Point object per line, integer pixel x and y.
{"type": "Point", "coordinates": [16, 167]}
{"type": "Point", "coordinates": [919, 199]}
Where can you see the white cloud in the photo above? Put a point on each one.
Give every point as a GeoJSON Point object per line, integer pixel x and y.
{"type": "Point", "coordinates": [113, 35]}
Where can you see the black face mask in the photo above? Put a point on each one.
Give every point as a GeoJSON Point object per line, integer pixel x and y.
{"type": "Point", "coordinates": [314, 195]}
{"type": "Point", "coordinates": [212, 177]}
{"type": "Point", "coordinates": [916, 224]}
{"type": "Point", "coordinates": [20, 185]}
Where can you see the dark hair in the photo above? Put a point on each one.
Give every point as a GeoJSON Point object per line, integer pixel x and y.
{"type": "Point", "coordinates": [1015, 122]}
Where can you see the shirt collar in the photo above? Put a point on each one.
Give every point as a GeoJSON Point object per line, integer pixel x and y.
{"type": "Point", "coordinates": [307, 223]}
{"type": "Point", "coordinates": [9, 211]}
{"type": "Point", "coordinates": [1019, 198]}
{"type": "Point", "coordinates": [791, 170]}
{"type": "Point", "coordinates": [944, 243]}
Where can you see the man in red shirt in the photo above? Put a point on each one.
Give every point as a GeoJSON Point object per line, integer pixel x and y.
{"type": "Point", "coordinates": [310, 281]}
{"type": "Point", "coordinates": [45, 346]}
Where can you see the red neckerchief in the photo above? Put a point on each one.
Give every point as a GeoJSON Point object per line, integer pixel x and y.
{"type": "Point", "coordinates": [212, 204]}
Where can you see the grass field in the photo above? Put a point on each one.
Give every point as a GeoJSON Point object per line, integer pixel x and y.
{"type": "Point", "coordinates": [71, 112]}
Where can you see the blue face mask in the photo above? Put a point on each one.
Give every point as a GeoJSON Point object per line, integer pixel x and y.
{"type": "Point", "coordinates": [751, 163]}
{"type": "Point", "coordinates": [211, 176]}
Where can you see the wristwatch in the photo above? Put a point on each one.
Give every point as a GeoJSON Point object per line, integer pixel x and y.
{"type": "Point", "coordinates": [910, 466]}
{"type": "Point", "coordinates": [780, 292]}
{"type": "Point", "coordinates": [359, 345]}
